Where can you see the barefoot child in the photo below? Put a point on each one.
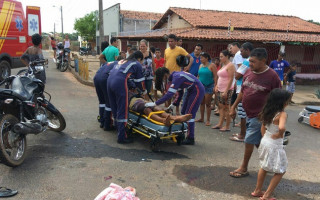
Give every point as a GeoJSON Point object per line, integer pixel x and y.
{"type": "Point", "coordinates": [271, 153]}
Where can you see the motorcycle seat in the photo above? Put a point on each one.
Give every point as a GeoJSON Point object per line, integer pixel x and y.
{"type": "Point", "coordinates": [23, 87]}
{"type": "Point", "coordinates": [313, 108]}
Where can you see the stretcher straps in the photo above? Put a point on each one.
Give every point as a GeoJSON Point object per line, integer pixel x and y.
{"type": "Point", "coordinates": [157, 112]}
{"type": "Point", "coordinates": [136, 123]}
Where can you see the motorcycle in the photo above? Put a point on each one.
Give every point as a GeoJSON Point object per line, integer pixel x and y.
{"type": "Point", "coordinates": [24, 110]}
{"type": "Point", "coordinates": [310, 115]}
{"type": "Point", "coordinates": [62, 56]}
{"type": "Point", "coordinates": [84, 51]}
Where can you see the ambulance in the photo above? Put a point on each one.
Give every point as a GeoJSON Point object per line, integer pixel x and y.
{"type": "Point", "coordinates": [16, 30]}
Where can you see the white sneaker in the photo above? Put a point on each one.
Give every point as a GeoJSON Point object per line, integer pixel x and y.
{"type": "Point", "coordinates": [54, 60]}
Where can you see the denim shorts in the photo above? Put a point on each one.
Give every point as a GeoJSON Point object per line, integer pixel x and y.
{"type": "Point", "coordinates": [253, 133]}
{"type": "Point", "coordinates": [208, 88]}
{"type": "Point", "coordinates": [148, 84]}
{"type": "Point", "coordinates": [291, 87]}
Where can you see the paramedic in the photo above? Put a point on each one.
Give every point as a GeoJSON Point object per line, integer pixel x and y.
{"type": "Point", "coordinates": [179, 81]}
{"type": "Point", "coordinates": [117, 88]}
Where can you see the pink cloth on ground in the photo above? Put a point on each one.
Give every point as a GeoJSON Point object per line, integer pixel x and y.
{"type": "Point", "coordinates": [116, 192]}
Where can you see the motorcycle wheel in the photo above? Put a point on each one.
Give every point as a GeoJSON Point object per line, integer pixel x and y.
{"type": "Point", "coordinates": [64, 67]}
{"type": "Point", "coordinates": [12, 146]}
{"type": "Point", "coordinates": [58, 65]}
{"type": "Point", "coordinates": [56, 121]}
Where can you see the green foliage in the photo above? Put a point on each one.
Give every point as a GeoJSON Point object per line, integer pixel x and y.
{"type": "Point", "coordinates": [86, 26]}
{"type": "Point", "coordinates": [313, 22]}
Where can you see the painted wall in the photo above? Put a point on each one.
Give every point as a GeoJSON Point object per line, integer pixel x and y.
{"type": "Point", "coordinates": [176, 22]}
{"type": "Point", "coordinates": [111, 21]}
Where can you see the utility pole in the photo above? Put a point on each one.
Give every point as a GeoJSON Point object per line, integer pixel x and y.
{"type": "Point", "coordinates": [101, 33]}
{"type": "Point", "coordinates": [54, 30]}
{"type": "Point", "coordinates": [61, 22]}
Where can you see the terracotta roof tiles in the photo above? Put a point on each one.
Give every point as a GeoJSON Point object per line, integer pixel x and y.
{"type": "Point", "coordinates": [140, 15]}
{"type": "Point", "coordinates": [240, 20]}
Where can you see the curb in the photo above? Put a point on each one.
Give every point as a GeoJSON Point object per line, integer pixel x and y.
{"type": "Point", "coordinates": [309, 103]}
{"type": "Point", "coordinates": [76, 75]}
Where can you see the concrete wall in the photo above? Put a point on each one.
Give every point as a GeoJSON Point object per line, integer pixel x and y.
{"type": "Point", "coordinates": [176, 22]}
{"type": "Point", "coordinates": [111, 21]}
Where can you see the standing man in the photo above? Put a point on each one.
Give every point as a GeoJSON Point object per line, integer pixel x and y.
{"type": "Point", "coordinates": [171, 53]}
{"type": "Point", "coordinates": [235, 51]}
{"type": "Point", "coordinates": [245, 50]}
{"type": "Point", "coordinates": [194, 68]}
{"type": "Point", "coordinates": [258, 82]}
{"type": "Point", "coordinates": [111, 53]}
{"type": "Point", "coordinates": [279, 65]}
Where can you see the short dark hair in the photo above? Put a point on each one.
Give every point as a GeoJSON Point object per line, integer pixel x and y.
{"type": "Point", "coordinates": [260, 53]}
{"type": "Point", "coordinates": [104, 45]}
{"type": "Point", "coordinates": [129, 45]}
{"type": "Point", "coordinates": [152, 49]}
{"type": "Point", "coordinates": [247, 46]}
{"type": "Point", "coordinates": [113, 39]}
{"type": "Point", "coordinates": [216, 58]}
{"type": "Point", "coordinates": [172, 36]}
{"type": "Point", "coordinates": [52, 38]}
{"type": "Point", "coordinates": [235, 44]}
{"type": "Point", "coordinates": [157, 49]}
{"type": "Point", "coordinates": [179, 38]}
{"type": "Point", "coordinates": [226, 53]}
{"type": "Point", "coordinates": [206, 55]}
{"type": "Point", "coordinates": [36, 39]}
{"type": "Point", "coordinates": [199, 45]}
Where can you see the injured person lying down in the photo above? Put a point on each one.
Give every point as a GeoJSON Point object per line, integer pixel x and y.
{"type": "Point", "coordinates": [137, 104]}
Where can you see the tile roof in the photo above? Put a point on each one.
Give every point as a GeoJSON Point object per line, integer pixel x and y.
{"type": "Point", "coordinates": [240, 20]}
{"type": "Point", "coordinates": [140, 15]}
{"type": "Point", "coordinates": [236, 35]}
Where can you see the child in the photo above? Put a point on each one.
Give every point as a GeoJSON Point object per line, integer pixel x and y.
{"type": "Point", "coordinates": [271, 153]}
{"type": "Point", "coordinates": [291, 79]}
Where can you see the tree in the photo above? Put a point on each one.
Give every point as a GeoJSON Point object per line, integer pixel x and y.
{"type": "Point", "coordinates": [86, 26]}
{"type": "Point", "coordinates": [313, 22]}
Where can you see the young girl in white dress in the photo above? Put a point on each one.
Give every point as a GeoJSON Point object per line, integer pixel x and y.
{"type": "Point", "coordinates": [271, 152]}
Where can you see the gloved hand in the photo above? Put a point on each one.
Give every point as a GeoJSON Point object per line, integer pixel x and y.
{"type": "Point", "coordinates": [170, 107]}
{"type": "Point", "coordinates": [149, 104]}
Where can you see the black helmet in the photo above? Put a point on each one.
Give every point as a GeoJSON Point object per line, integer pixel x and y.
{"type": "Point", "coordinates": [182, 61]}
{"type": "Point", "coordinates": [60, 45]}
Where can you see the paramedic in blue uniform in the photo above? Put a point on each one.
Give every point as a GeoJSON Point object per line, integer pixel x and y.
{"type": "Point", "coordinates": [195, 93]}
{"type": "Point", "coordinates": [100, 83]}
{"type": "Point", "coordinates": [117, 87]}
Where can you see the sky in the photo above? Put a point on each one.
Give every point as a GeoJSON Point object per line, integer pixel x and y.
{"type": "Point", "coordinates": [72, 9]}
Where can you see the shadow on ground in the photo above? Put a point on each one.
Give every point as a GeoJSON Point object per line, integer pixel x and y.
{"type": "Point", "coordinates": [216, 178]}
{"type": "Point", "coordinates": [64, 145]}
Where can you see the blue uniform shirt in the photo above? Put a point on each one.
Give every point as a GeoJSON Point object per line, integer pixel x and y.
{"type": "Point", "coordinates": [129, 69]}
{"type": "Point", "coordinates": [194, 68]}
{"type": "Point", "coordinates": [279, 67]}
{"type": "Point", "coordinates": [179, 81]}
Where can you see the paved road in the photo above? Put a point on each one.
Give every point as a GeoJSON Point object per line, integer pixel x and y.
{"type": "Point", "coordinates": [75, 163]}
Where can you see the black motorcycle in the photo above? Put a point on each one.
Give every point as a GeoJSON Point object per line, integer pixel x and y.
{"type": "Point", "coordinates": [84, 51]}
{"type": "Point", "coordinates": [24, 110]}
{"type": "Point", "coordinates": [62, 56]}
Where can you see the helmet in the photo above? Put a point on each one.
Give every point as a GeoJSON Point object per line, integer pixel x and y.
{"type": "Point", "coordinates": [182, 61]}
{"type": "Point", "coordinates": [60, 45]}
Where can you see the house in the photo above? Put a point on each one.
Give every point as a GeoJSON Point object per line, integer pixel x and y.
{"type": "Point", "coordinates": [300, 39]}
{"type": "Point", "coordinates": [116, 21]}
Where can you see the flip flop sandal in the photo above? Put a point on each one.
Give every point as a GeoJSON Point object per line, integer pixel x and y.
{"type": "Point", "coordinates": [215, 127]}
{"type": "Point", "coordinates": [261, 198]}
{"type": "Point", "coordinates": [241, 174]}
{"type": "Point", "coordinates": [6, 192]}
{"type": "Point", "coordinates": [224, 130]}
{"type": "Point", "coordinates": [236, 134]}
{"type": "Point", "coordinates": [235, 138]}
{"type": "Point", "coordinates": [260, 194]}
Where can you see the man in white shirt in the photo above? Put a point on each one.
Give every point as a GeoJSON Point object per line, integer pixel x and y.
{"type": "Point", "coordinates": [237, 61]}
{"type": "Point", "coordinates": [245, 50]}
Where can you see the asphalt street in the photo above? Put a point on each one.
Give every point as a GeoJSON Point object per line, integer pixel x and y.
{"type": "Point", "coordinates": [83, 160]}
